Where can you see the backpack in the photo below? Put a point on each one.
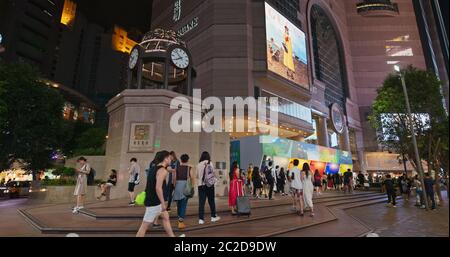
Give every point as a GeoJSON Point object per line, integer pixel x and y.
{"type": "Point", "coordinates": [91, 177]}
{"type": "Point", "coordinates": [208, 176]}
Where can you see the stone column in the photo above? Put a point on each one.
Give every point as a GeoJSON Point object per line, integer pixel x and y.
{"type": "Point", "coordinates": [322, 132]}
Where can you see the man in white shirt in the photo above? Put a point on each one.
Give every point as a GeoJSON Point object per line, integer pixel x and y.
{"type": "Point", "coordinates": [134, 172]}
{"type": "Point", "coordinates": [297, 187]}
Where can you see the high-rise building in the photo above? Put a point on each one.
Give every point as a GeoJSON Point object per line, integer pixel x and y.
{"type": "Point", "coordinates": [239, 49]}
{"type": "Point", "coordinates": [68, 49]}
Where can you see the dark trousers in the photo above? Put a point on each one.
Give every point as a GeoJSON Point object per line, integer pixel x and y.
{"type": "Point", "coordinates": [204, 193]}
{"type": "Point", "coordinates": [271, 186]}
{"type": "Point", "coordinates": [170, 196]}
{"type": "Point", "coordinates": [280, 187]}
{"type": "Point", "coordinates": [430, 195]}
{"type": "Point", "coordinates": [391, 197]}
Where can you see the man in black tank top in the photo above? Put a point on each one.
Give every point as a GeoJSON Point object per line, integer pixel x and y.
{"type": "Point", "coordinates": [154, 200]}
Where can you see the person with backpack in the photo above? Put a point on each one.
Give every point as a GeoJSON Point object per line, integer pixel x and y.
{"type": "Point", "coordinates": [206, 188]}
{"type": "Point", "coordinates": [134, 171]}
{"type": "Point", "coordinates": [183, 174]}
{"type": "Point", "coordinates": [154, 199]}
{"type": "Point", "coordinates": [270, 179]}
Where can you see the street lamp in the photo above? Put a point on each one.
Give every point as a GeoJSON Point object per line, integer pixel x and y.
{"type": "Point", "coordinates": [413, 134]}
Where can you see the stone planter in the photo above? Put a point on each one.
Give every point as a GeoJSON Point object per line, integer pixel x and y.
{"type": "Point", "coordinates": [61, 194]}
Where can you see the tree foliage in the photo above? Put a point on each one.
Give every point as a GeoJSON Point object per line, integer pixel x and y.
{"type": "Point", "coordinates": [390, 119]}
{"type": "Point", "coordinates": [31, 117]}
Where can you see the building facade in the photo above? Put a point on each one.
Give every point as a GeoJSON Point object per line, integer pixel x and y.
{"type": "Point", "coordinates": [351, 46]}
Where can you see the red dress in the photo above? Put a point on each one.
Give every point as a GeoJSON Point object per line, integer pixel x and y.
{"type": "Point", "coordinates": [236, 189]}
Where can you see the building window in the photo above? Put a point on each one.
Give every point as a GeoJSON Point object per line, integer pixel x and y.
{"type": "Point", "coordinates": [328, 58]}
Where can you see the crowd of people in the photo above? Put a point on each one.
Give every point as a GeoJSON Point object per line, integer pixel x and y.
{"type": "Point", "coordinates": [169, 179]}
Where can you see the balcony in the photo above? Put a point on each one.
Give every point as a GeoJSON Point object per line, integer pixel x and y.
{"type": "Point", "coordinates": [380, 8]}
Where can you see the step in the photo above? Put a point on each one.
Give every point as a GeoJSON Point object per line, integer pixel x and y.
{"type": "Point", "coordinates": [281, 213]}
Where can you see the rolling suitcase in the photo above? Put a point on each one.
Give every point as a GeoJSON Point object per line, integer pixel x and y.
{"type": "Point", "coordinates": [243, 206]}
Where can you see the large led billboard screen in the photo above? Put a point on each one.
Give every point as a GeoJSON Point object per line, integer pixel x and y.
{"type": "Point", "coordinates": [287, 54]}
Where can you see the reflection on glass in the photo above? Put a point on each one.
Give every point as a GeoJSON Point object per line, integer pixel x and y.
{"type": "Point", "coordinates": [399, 51]}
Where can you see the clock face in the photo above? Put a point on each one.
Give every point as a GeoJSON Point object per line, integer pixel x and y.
{"type": "Point", "coordinates": [134, 56]}
{"type": "Point", "coordinates": [180, 58]}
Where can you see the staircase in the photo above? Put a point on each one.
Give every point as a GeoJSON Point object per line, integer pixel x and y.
{"type": "Point", "coordinates": [269, 219]}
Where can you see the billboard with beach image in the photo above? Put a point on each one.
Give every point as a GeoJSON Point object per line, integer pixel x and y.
{"type": "Point", "coordinates": [286, 48]}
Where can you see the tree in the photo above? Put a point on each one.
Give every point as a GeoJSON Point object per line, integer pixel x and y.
{"type": "Point", "coordinates": [91, 142]}
{"type": "Point", "coordinates": [429, 117]}
{"type": "Point", "coordinates": [32, 125]}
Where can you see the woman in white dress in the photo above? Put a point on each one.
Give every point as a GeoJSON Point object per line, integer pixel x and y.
{"type": "Point", "coordinates": [308, 187]}
{"type": "Point", "coordinates": [81, 187]}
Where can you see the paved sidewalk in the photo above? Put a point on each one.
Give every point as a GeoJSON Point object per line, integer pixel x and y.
{"type": "Point", "coordinates": [406, 220]}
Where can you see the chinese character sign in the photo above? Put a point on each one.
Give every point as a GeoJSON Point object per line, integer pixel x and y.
{"type": "Point", "coordinates": [142, 137]}
{"type": "Point", "coordinates": [177, 10]}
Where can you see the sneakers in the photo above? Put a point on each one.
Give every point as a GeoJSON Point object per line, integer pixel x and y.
{"type": "Point", "coordinates": [132, 204]}
{"type": "Point", "coordinates": [201, 222]}
{"type": "Point", "coordinates": [183, 235]}
{"type": "Point", "coordinates": [76, 210]}
{"type": "Point", "coordinates": [156, 226]}
{"type": "Point", "coordinates": [181, 225]}
{"type": "Point", "coordinates": [215, 219]}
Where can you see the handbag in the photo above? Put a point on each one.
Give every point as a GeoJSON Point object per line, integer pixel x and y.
{"type": "Point", "coordinates": [140, 199]}
{"type": "Point", "coordinates": [189, 189]}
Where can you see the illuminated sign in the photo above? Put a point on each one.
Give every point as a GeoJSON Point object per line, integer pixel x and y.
{"type": "Point", "coordinates": [177, 10]}
{"type": "Point", "coordinates": [188, 27]}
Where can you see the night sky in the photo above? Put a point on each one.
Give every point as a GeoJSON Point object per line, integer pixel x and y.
{"type": "Point", "coordinates": [129, 13]}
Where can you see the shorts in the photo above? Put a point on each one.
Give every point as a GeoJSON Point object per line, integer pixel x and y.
{"type": "Point", "coordinates": [297, 192]}
{"type": "Point", "coordinates": [317, 184]}
{"type": "Point", "coordinates": [151, 213]}
{"type": "Point", "coordinates": [131, 187]}
{"type": "Point", "coordinates": [109, 184]}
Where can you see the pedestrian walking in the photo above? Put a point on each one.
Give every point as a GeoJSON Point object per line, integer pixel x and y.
{"type": "Point", "coordinates": [281, 181]}
{"type": "Point", "coordinates": [297, 188]}
{"type": "Point", "coordinates": [154, 200]}
{"type": "Point", "coordinates": [183, 174]}
{"type": "Point", "coordinates": [250, 179]}
{"type": "Point", "coordinates": [174, 164]}
{"type": "Point", "coordinates": [417, 185]}
{"type": "Point", "coordinates": [348, 177]}
{"type": "Point", "coordinates": [134, 179]}
{"type": "Point", "coordinates": [257, 183]}
{"type": "Point", "coordinates": [308, 187]}
{"type": "Point", "coordinates": [406, 188]}
{"type": "Point", "coordinates": [390, 190]}
{"type": "Point", "coordinates": [330, 181]}
{"type": "Point", "coordinates": [317, 182]}
{"type": "Point", "coordinates": [81, 185]}
{"type": "Point", "coordinates": [429, 189]}
{"type": "Point", "coordinates": [236, 187]}
{"type": "Point", "coordinates": [270, 179]}
{"type": "Point", "coordinates": [206, 188]}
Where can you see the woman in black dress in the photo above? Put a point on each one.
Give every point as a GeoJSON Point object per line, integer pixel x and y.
{"type": "Point", "coordinates": [257, 182]}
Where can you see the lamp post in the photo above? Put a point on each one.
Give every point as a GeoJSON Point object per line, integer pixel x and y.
{"type": "Point", "coordinates": [413, 136]}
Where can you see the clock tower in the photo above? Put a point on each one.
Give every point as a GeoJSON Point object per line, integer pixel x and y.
{"type": "Point", "coordinates": [161, 61]}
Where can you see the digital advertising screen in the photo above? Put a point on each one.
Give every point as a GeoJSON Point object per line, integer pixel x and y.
{"type": "Point", "coordinates": [287, 53]}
